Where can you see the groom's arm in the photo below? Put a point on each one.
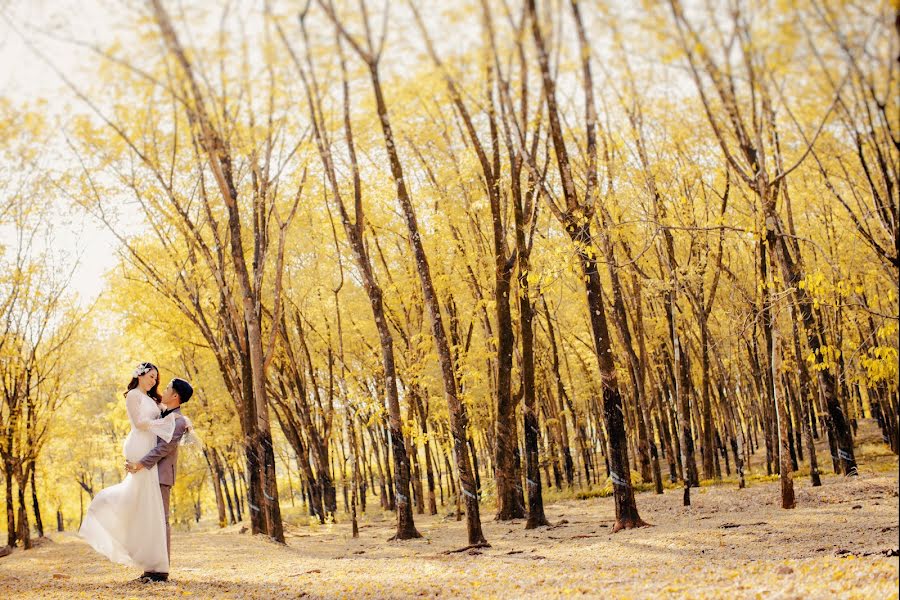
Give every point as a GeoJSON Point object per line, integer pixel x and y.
{"type": "Point", "coordinates": [164, 448]}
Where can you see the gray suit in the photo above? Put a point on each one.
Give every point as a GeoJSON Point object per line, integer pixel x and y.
{"type": "Point", "coordinates": [165, 456]}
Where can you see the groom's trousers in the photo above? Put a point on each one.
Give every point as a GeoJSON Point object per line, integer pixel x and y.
{"type": "Point", "coordinates": [166, 491]}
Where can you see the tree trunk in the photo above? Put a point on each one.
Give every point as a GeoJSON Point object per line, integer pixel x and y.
{"type": "Point", "coordinates": [506, 470]}
{"type": "Point", "coordinates": [38, 522]}
{"type": "Point", "coordinates": [388, 475]}
{"type": "Point", "coordinates": [706, 402]}
{"type": "Point", "coordinates": [686, 439]}
{"type": "Point", "coordinates": [263, 489]}
{"type": "Point", "coordinates": [458, 415]}
{"type": "Point", "coordinates": [665, 432]}
{"type": "Point", "coordinates": [536, 516]}
{"type": "Point", "coordinates": [627, 515]}
{"type": "Point", "coordinates": [816, 338]}
{"type": "Point", "coordinates": [350, 437]}
{"type": "Point", "coordinates": [212, 463]}
{"type": "Point", "coordinates": [782, 416]}
{"type": "Point", "coordinates": [550, 437]}
{"type": "Point", "coordinates": [231, 504]}
{"type": "Point", "coordinates": [416, 399]}
{"type": "Point", "coordinates": [413, 452]}
{"type": "Point", "coordinates": [10, 506]}
{"type": "Point", "coordinates": [559, 408]}
{"type": "Point", "coordinates": [635, 370]}
{"type": "Point", "coordinates": [238, 500]}
{"type": "Point", "coordinates": [24, 532]}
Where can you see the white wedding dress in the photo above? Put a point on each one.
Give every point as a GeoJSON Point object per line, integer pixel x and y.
{"type": "Point", "coordinates": [125, 522]}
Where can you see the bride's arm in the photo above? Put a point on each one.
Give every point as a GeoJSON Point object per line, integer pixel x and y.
{"type": "Point", "coordinates": [132, 405]}
{"type": "Point", "coordinates": [163, 428]}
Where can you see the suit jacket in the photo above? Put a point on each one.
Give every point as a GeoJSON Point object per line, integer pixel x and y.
{"type": "Point", "coordinates": [165, 454]}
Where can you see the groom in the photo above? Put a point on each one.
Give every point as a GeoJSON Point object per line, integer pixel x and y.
{"type": "Point", "coordinates": [165, 455]}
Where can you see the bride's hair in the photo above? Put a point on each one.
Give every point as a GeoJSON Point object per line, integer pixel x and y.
{"type": "Point", "coordinates": [143, 368]}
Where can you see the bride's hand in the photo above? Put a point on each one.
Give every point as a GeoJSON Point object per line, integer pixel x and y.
{"type": "Point", "coordinates": [143, 425]}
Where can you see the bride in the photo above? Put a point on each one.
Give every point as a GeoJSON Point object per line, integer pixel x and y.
{"type": "Point", "coordinates": [126, 522]}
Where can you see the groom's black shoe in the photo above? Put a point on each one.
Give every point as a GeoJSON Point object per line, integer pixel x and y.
{"type": "Point", "coordinates": [150, 577]}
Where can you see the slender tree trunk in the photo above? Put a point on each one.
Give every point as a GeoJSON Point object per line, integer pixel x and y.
{"type": "Point", "coordinates": [238, 501]}
{"type": "Point", "coordinates": [38, 522]}
{"type": "Point", "coordinates": [350, 438]}
{"type": "Point", "coordinates": [663, 428]}
{"type": "Point", "coordinates": [458, 415]}
{"type": "Point", "coordinates": [416, 399]}
{"type": "Point", "coordinates": [536, 516]}
{"type": "Point", "coordinates": [389, 476]}
{"type": "Point", "coordinates": [782, 416]}
{"type": "Point", "coordinates": [730, 420]}
{"type": "Point", "coordinates": [24, 532]}
{"type": "Point", "coordinates": [473, 452]}
{"type": "Point", "coordinates": [816, 338]}
{"type": "Point", "coordinates": [506, 470]}
{"type": "Point", "coordinates": [559, 408]}
{"type": "Point", "coordinates": [413, 451]}
{"type": "Point", "coordinates": [635, 371]}
{"type": "Point", "coordinates": [578, 228]}
{"type": "Point", "coordinates": [265, 509]}
{"type": "Point", "coordinates": [706, 402]}
{"type": "Point", "coordinates": [217, 484]}
{"type": "Point", "coordinates": [551, 437]}
{"type": "Point", "coordinates": [627, 515]}
{"type": "Point", "coordinates": [224, 482]}
{"type": "Point", "coordinates": [451, 478]}
{"type": "Point", "coordinates": [10, 506]}
{"type": "Point", "coordinates": [688, 466]}
{"type": "Point", "coordinates": [790, 402]}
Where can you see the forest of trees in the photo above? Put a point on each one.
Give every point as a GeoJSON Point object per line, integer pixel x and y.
{"type": "Point", "coordinates": [457, 256]}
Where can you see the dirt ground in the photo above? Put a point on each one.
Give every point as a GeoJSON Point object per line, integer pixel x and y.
{"type": "Point", "coordinates": [840, 542]}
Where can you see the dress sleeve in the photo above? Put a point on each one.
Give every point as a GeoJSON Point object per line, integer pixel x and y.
{"type": "Point", "coordinates": [133, 406]}
{"type": "Point", "coordinates": [163, 428]}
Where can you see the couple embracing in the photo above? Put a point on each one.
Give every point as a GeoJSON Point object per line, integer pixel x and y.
{"type": "Point", "coordinates": [129, 522]}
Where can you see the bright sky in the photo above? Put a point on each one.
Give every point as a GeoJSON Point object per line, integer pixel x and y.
{"type": "Point", "coordinates": [24, 78]}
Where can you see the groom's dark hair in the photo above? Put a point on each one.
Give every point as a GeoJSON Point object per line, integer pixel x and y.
{"type": "Point", "coordinates": [183, 389]}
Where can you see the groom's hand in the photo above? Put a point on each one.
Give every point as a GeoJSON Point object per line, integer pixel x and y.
{"type": "Point", "coordinates": [133, 467]}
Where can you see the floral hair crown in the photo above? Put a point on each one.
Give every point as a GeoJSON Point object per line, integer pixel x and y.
{"type": "Point", "coordinates": [142, 369]}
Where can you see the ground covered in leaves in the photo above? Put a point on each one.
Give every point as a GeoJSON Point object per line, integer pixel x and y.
{"type": "Point", "coordinates": [841, 541]}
